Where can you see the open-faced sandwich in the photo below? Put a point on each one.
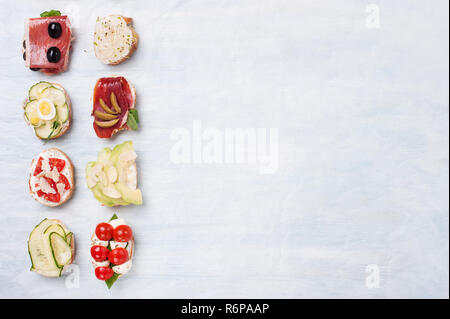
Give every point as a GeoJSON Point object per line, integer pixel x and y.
{"type": "Point", "coordinates": [47, 42]}
{"type": "Point", "coordinates": [114, 39]}
{"type": "Point", "coordinates": [47, 109]}
{"type": "Point", "coordinates": [113, 177]}
{"type": "Point", "coordinates": [51, 178]}
{"type": "Point", "coordinates": [112, 250]}
{"type": "Point", "coordinates": [51, 247]}
{"type": "Point", "coordinates": [114, 103]}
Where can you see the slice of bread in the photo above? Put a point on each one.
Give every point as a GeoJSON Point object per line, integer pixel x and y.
{"type": "Point", "coordinates": [72, 248]}
{"type": "Point", "coordinates": [123, 123]}
{"type": "Point", "coordinates": [64, 42]}
{"type": "Point", "coordinates": [70, 169]}
{"type": "Point", "coordinates": [67, 124]}
{"type": "Point", "coordinates": [115, 39]}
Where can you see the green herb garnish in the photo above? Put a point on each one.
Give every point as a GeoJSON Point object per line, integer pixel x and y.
{"type": "Point", "coordinates": [54, 127]}
{"type": "Point", "coordinates": [112, 280]}
{"type": "Point", "coordinates": [133, 119]}
{"type": "Point", "coordinates": [113, 217]}
{"type": "Point", "coordinates": [51, 13]}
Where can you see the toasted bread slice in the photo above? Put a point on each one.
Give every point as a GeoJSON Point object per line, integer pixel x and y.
{"type": "Point", "coordinates": [42, 42]}
{"type": "Point", "coordinates": [68, 172]}
{"type": "Point", "coordinates": [72, 248]}
{"type": "Point", "coordinates": [67, 124]}
{"type": "Point", "coordinates": [123, 123]}
{"type": "Point", "coordinates": [115, 39]}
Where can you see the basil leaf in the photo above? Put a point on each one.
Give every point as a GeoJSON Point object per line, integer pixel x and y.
{"type": "Point", "coordinates": [134, 112]}
{"type": "Point", "coordinates": [51, 13]}
{"type": "Point", "coordinates": [113, 217]}
{"type": "Point", "coordinates": [111, 280]}
{"type": "Point", "coordinates": [133, 119]}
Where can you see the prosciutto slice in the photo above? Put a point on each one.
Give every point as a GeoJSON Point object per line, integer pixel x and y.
{"type": "Point", "coordinates": [37, 42]}
{"type": "Point", "coordinates": [125, 98]}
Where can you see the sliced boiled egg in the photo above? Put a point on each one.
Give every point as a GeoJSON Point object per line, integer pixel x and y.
{"type": "Point", "coordinates": [46, 109]}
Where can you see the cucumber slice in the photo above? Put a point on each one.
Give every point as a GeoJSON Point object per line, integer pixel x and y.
{"type": "Point", "coordinates": [62, 254]}
{"type": "Point", "coordinates": [69, 239]}
{"type": "Point", "coordinates": [63, 112]}
{"type": "Point", "coordinates": [37, 89]}
{"type": "Point", "coordinates": [45, 130]}
{"type": "Point", "coordinates": [55, 95]}
{"type": "Point", "coordinates": [57, 272]}
{"type": "Point", "coordinates": [40, 253]}
{"type": "Point", "coordinates": [55, 228]}
{"type": "Point", "coordinates": [31, 114]}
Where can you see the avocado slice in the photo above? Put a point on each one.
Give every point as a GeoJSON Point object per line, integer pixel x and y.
{"type": "Point", "coordinates": [105, 200]}
{"type": "Point", "coordinates": [97, 189]}
{"type": "Point", "coordinates": [111, 157]}
{"type": "Point", "coordinates": [132, 196]}
{"type": "Point", "coordinates": [104, 155]}
{"type": "Point", "coordinates": [119, 149]}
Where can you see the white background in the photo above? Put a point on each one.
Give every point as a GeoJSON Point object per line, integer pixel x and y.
{"type": "Point", "coordinates": [363, 149]}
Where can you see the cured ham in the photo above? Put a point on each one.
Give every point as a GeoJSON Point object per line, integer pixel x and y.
{"type": "Point", "coordinates": [47, 43]}
{"type": "Point", "coordinates": [113, 99]}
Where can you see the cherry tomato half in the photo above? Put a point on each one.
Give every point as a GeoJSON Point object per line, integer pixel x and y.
{"type": "Point", "coordinates": [104, 231]}
{"type": "Point", "coordinates": [103, 273]}
{"type": "Point", "coordinates": [99, 253]}
{"type": "Point", "coordinates": [118, 256]}
{"type": "Point", "coordinates": [122, 233]}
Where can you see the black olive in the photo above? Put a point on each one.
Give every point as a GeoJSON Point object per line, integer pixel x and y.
{"type": "Point", "coordinates": [54, 30]}
{"type": "Point", "coordinates": [53, 55]}
{"type": "Point", "coordinates": [23, 44]}
{"type": "Point", "coordinates": [24, 56]}
{"type": "Point", "coordinates": [34, 69]}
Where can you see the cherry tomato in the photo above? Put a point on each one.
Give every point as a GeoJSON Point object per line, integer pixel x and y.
{"type": "Point", "coordinates": [99, 253]}
{"type": "Point", "coordinates": [104, 231]}
{"type": "Point", "coordinates": [122, 233]}
{"type": "Point", "coordinates": [103, 273]}
{"type": "Point", "coordinates": [118, 256]}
